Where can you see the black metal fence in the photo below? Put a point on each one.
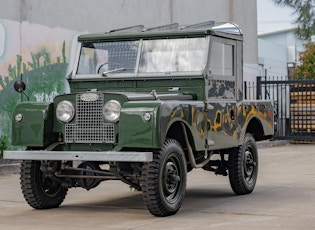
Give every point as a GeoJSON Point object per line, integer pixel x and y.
{"type": "Point", "coordinates": [294, 105]}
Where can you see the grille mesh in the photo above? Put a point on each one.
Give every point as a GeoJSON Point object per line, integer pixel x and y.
{"type": "Point", "coordinates": [90, 126]}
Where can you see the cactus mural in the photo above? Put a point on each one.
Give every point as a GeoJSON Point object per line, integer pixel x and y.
{"type": "Point", "coordinates": [42, 65]}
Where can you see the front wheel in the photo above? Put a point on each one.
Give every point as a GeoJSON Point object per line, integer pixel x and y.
{"type": "Point", "coordinates": [164, 180]}
{"type": "Point", "coordinates": [40, 191]}
{"type": "Point", "coordinates": [243, 166]}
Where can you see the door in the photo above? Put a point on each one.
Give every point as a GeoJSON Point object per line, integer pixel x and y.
{"type": "Point", "coordinates": [221, 88]}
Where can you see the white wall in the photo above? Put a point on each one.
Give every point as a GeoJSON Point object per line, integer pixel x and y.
{"type": "Point", "coordinates": [273, 57]}
{"type": "Point", "coordinates": [277, 49]}
{"type": "Point", "coordinates": [103, 15]}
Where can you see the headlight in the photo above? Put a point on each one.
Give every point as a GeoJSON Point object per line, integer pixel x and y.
{"type": "Point", "coordinates": [111, 111]}
{"type": "Point", "coordinates": [65, 111]}
{"type": "Point", "coordinates": [18, 117]}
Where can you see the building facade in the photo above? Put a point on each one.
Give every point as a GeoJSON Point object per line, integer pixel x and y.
{"type": "Point", "coordinates": [278, 52]}
{"type": "Point", "coordinates": [37, 38]}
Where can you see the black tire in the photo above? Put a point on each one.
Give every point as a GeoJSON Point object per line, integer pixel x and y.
{"type": "Point", "coordinates": [164, 180]}
{"type": "Point", "coordinates": [243, 166]}
{"type": "Point", "coordinates": [40, 191]}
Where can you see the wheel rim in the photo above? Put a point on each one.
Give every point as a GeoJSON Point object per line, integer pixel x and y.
{"type": "Point", "coordinates": [171, 178]}
{"type": "Point", "coordinates": [249, 165]}
{"type": "Point", "coordinates": [49, 187]}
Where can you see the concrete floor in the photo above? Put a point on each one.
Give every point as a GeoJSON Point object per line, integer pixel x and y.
{"type": "Point", "coordinates": [284, 198]}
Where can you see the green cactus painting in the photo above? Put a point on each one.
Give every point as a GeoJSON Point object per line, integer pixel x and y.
{"type": "Point", "coordinates": [44, 79]}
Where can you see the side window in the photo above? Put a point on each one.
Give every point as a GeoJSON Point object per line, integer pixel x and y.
{"type": "Point", "coordinates": [221, 60]}
{"type": "Point", "coordinates": [222, 79]}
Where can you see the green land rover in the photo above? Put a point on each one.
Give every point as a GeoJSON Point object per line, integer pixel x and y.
{"type": "Point", "coordinates": [147, 105]}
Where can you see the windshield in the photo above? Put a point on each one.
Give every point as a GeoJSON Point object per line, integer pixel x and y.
{"type": "Point", "coordinates": [102, 57]}
{"type": "Point", "coordinates": [173, 55]}
{"type": "Point", "coordinates": [156, 56]}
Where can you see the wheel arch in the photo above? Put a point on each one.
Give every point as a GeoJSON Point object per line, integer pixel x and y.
{"type": "Point", "coordinates": [176, 132]}
{"type": "Point", "coordinates": [256, 129]}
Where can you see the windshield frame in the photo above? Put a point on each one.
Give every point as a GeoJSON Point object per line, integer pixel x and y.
{"type": "Point", "coordinates": [136, 73]}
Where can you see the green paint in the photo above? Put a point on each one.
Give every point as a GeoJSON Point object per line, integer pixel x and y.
{"type": "Point", "coordinates": [35, 128]}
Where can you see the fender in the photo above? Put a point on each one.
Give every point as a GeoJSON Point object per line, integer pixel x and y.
{"type": "Point", "coordinates": [36, 125]}
{"type": "Point", "coordinates": [261, 110]}
{"type": "Point", "coordinates": [138, 125]}
{"type": "Point", "coordinates": [190, 113]}
{"type": "Point", "coordinates": [135, 131]}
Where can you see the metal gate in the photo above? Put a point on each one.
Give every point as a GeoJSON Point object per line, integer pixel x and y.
{"type": "Point", "coordinates": [294, 106]}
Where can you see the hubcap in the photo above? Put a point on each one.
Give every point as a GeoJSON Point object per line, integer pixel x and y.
{"type": "Point", "coordinates": [172, 178]}
{"type": "Point", "coordinates": [249, 165]}
{"type": "Point", "coordinates": [48, 186]}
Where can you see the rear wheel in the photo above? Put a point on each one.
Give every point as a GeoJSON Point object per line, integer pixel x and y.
{"type": "Point", "coordinates": [40, 191]}
{"type": "Point", "coordinates": [164, 180]}
{"type": "Point", "coordinates": [243, 166]}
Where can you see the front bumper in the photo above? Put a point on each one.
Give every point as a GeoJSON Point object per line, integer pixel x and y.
{"type": "Point", "coordinates": [109, 156]}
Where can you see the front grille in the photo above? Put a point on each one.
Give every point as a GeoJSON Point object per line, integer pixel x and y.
{"type": "Point", "coordinates": [89, 126]}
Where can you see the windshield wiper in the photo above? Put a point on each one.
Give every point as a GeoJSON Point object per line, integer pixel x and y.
{"type": "Point", "coordinates": [104, 74]}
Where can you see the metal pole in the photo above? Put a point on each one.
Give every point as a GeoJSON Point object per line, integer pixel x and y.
{"type": "Point", "coordinates": [258, 90]}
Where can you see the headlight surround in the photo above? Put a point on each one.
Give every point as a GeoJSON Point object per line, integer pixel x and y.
{"type": "Point", "coordinates": [65, 111]}
{"type": "Point", "coordinates": [111, 111]}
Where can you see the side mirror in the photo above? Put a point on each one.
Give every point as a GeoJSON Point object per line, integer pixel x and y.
{"type": "Point", "coordinates": [19, 86]}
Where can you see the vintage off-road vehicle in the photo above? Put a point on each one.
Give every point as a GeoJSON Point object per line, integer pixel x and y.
{"type": "Point", "coordinates": [147, 105]}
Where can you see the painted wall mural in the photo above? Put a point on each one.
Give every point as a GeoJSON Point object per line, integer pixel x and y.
{"type": "Point", "coordinates": [38, 55]}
